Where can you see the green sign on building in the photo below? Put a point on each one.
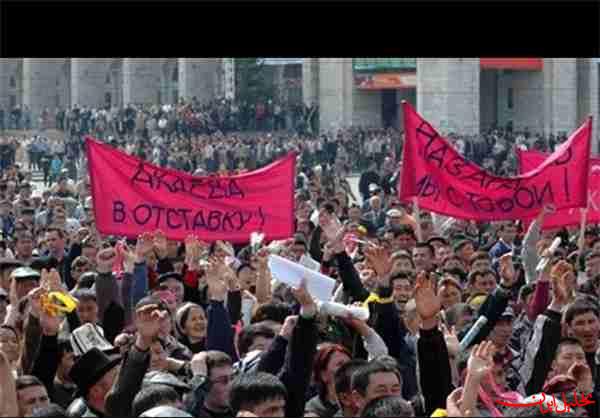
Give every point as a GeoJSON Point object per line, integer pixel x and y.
{"type": "Point", "coordinates": [384, 64]}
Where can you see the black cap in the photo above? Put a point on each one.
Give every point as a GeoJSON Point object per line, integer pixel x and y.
{"type": "Point", "coordinates": [90, 368]}
{"type": "Point", "coordinates": [170, 275]}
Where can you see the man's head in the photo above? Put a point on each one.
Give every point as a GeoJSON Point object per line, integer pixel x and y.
{"type": "Point", "coordinates": [402, 262]}
{"type": "Point", "coordinates": [568, 353]}
{"type": "Point", "coordinates": [480, 261]}
{"type": "Point", "coordinates": [329, 358]}
{"type": "Point", "coordinates": [441, 253]}
{"type": "Point", "coordinates": [220, 377]}
{"type": "Point", "coordinates": [89, 249]}
{"type": "Point", "coordinates": [343, 380]}
{"type": "Point", "coordinates": [151, 396]}
{"type": "Point", "coordinates": [449, 292]}
{"type": "Point", "coordinates": [66, 359]}
{"type": "Point", "coordinates": [502, 331]}
{"type": "Point", "coordinates": [24, 245]}
{"type": "Point", "coordinates": [388, 406]}
{"type": "Point", "coordinates": [507, 232]}
{"type": "Point", "coordinates": [173, 282]}
{"type": "Point", "coordinates": [483, 281]}
{"type": "Point", "coordinates": [26, 279]}
{"type": "Point", "coordinates": [464, 249]}
{"type": "Point", "coordinates": [55, 238]}
{"type": "Point", "coordinates": [459, 316]}
{"type": "Point", "coordinates": [423, 254]}
{"type": "Point", "coordinates": [255, 337]}
{"type": "Point", "coordinates": [87, 308]}
{"type": "Point", "coordinates": [260, 393]}
{"type": "Point", "coordinates": [402, 288]}
{"type": "Point", "coordinates": [592, 265]}
{"type": "Point", "coordinates": [79, 266]}
{"type": "Point", "coordinates": [403, 238]}
{"type": "Point", "coordinates": [31, 394]}
{"type": "Point", "coordinates": [354, 213]}
{"type": "Point", "coordinates": [374, 380]}
{"type": "Point", "coordinates": [582, 319]}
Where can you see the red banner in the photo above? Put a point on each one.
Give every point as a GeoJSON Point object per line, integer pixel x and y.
{"type": "Point", "coordinates": [132, 196]}
{"type": "Point", "coordinates": [446, 183]}
{"type": "Point", "coordinates": [530, 160]}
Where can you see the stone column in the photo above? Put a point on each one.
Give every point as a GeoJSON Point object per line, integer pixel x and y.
{"type": "Point", "coordinates": [141, 80]}
{"type": "Point", "coordinates": [4, 84]}
{"type": "Point", "coordinates": [197, 78]}
{"type": "Point", "coordinates": [88, 81]}
{"type": "Point", "coordinates": [448, 93]}
{"type": "Point", "coordinates": [560, 95]}
{"type": "Point", "coordinates": [335, 93]}
{"type": "Point", "coordinates": [587, 95]}
{"type": "Point", "coordinates": [310, 80]}
{"type": "Point", "coordinates": [40, 79]}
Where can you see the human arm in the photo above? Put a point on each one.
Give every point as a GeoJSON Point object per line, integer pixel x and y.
{"type": "Point", "coordinates": [219, 333]}
{"type": "Point", "coordinates": [302, 349]}
{"type": "Point", "coordinates": [372, 341]}
{"type": "Point", "coordinates": [107, 289]}
{"type": "Point", "coordinates": [435, 374]}
{"type": "Point", "coordinates": [530, 257]}
{"type": "Point", "coordinates": [273, 359]}
{"type": "Point", "coordinates": [545, 339]}
{"type": "Point", "coordinates": [135, 363]}
{"type": "Point", "coordinates": [9, 406]}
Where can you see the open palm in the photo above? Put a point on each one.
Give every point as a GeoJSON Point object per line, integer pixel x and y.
{"type": "Point", "coordinates": [428, 303]}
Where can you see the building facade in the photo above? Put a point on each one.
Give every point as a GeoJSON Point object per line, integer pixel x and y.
{"type": "Point", "coordinates": [464, 95]}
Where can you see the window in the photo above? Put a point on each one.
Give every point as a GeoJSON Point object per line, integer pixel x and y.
{"type": "Point", "coordinates": [107, 78]}
{"type": "Point", "coordinates": [13, 101]}
{"type": "Point", "coordinates": [13, 82]}
{"type": "Point", "coordinates": [510, 98]}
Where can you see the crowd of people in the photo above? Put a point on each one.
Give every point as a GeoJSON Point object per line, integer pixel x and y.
{"type": "Point", "coordinates": [101, 326]}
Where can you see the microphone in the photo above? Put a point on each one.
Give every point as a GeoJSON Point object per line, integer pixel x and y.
{"type": "Point", "coordinates": [545, 260]}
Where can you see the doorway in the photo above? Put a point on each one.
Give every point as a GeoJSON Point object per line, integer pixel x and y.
{"type": "Point", "coordinates": [389, 108]}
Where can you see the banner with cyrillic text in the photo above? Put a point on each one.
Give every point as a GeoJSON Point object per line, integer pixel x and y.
{"type": "Point", "coordinates": [132, 196]}
{"type": "Point", "coordinates": [446, 183]}
{"type": "Point", "coordinates": [530, 160]}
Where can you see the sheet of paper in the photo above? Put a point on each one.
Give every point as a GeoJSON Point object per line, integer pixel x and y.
{"type": "Point", "coordinates": [286, 271]}
{"type": "Point", "coordinates": [309, 263]}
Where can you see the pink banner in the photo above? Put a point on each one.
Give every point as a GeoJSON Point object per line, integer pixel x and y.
{"type": "Point", "coordinates": [445, 183]}
{"type": "Point", "coordinates": [132, 196]}
{"type": "Point", "coordinates": [530, 160]}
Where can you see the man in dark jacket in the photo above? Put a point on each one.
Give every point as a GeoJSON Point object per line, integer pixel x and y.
{"type": "Point", "coordinates": [367, 178]}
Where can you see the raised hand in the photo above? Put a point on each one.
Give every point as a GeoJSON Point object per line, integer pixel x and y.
{"type": "Point", "coordinates": [583, 376]}
{"type": "Point", "coordinates": [451, 339]}
{"type": "Point", "coordinates": [481, 360]}
{"type": "Point", "coordinates": [428, 303]}
{"type": "Point", "coordinates": [143, 246]}
{"type": "Point", "coordinates": [129, 258]}
{"type": "Point", "coordinates": [379, 259]}
{"type": "Point", "coordinates": [105, 260]}
{"type": "Point", "coordinates": [192, 252]}
{"type": "Point", "coordinates": [260, 261]}
{"type": "Point", "coordinates": [160, 244]}
{"type": "Point", "coordinates": [288, 327]}
{"type": "Point", "coordinates": [560, 289]}
{"type": "Point", "coordinates": [148, 321]}
{"type": "Point", "coordinates": [303, 296]}
{"type": "Point", "coordinates": [80, 235]}
{"type": "Point", "coordinates": [217, 286]}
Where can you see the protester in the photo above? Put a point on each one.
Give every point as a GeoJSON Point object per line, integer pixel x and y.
{"type": "Point", "coordinates": [101, 326]}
